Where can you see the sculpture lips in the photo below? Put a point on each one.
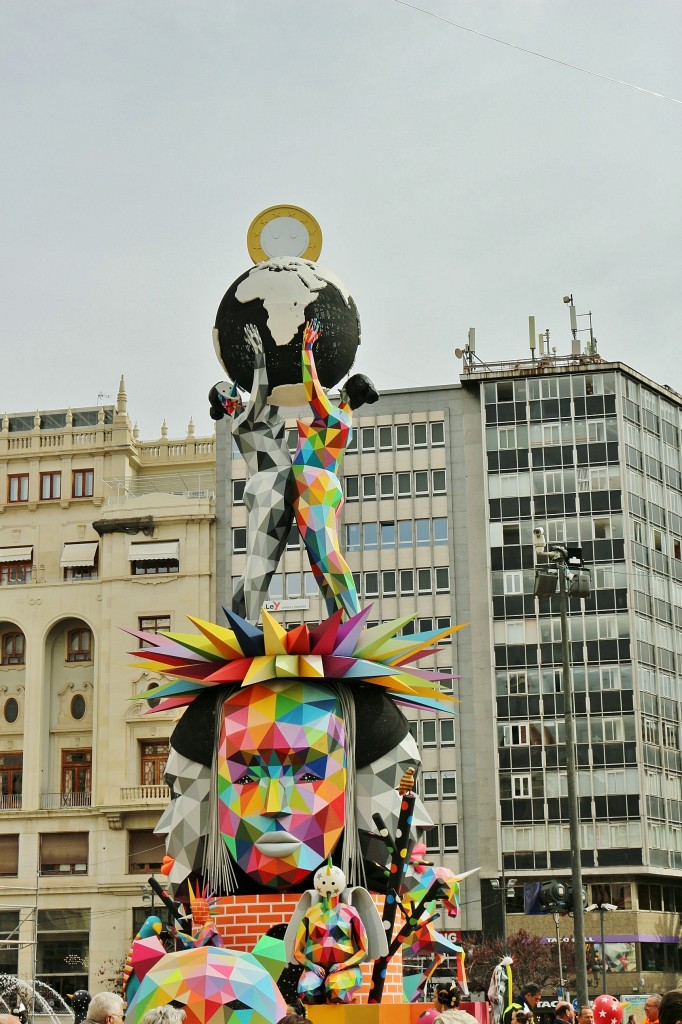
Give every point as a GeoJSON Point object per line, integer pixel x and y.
{"type": "Point", "coordinates": [277, 844]}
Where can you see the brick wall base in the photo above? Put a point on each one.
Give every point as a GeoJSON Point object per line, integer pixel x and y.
{"type": "Point", "coordinates": [243, 920]}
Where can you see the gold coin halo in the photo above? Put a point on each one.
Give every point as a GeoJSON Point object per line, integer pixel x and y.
{"type": "Point", "coordinates": [259, 222]}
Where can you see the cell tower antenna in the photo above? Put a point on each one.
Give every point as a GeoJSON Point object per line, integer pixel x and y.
{"type": "Point", "coordinates": [575, 343]}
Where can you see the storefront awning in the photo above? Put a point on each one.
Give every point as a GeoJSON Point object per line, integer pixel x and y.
{"type": "Point", "coordinates": [24, 554]}
{"type": "Point", "coordinates": [78, 554]}
{"type": "Point", "coordinates": [158, 551]}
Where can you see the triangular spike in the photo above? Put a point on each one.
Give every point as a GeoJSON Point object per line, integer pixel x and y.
{"type": "Point", "coordinates": [323, 637]}
{"type": "Point", "coordinates": [188, 670]}
{"type": "Point", "coordinates": [298, 640]}
{"type": "Point", "coordinates": [249, 638]}
{"type": "Point", "coordinates": [368, 670]}
{"type": "Point", "coordinates": [162, 642]}
{"type": "Point", "coordinates": [231, 672]}
{"type": "Point", "coordinates": [375, 636]}
{"type": "Point", "coordinates": [171, 704]}
{"type": "Point", "coordinates": [223, 639]}
{"type": "Point", "coordinates": [274, 635]}
{"type": "Point", "coordinates": [349, 632]}
{"type": "Point", "coordinates": [193, 642]}
{"type": "Point", "coordinates": [260, 670]}
{"type": "Point", "coordinates": [311, 666]}
{"type": "Point", "coordinates": [286, 666]}
{"type": "Point", "coordinates": [421, 642]}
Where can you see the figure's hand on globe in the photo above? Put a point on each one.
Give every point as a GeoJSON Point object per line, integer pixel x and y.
{"type": "Point", "coordinates": [311, 333]}
{"type": "Point", "coordinates": [253, 337]}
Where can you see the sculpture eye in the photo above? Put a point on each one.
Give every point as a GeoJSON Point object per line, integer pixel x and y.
{"type": "Point", "coordinates": [309, 777]}
{"type": "Point", "coordinates": [246, 778]}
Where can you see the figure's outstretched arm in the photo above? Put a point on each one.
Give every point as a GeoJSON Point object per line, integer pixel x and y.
{"type": "Point", "coordinates": [314, 391]}
{"type": "Point", "coordinates": [258, 402]}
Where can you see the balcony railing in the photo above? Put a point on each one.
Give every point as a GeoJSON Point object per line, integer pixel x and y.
{"type": "Point", "coordinates": [53, 801]}
{"type": "Point", "coordinates": [10, 802]}
{"type": "Point", "coordinates": [145, 794]}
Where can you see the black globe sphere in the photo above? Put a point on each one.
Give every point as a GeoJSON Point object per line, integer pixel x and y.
{"type": "Point", "coordinates": [278, 297]}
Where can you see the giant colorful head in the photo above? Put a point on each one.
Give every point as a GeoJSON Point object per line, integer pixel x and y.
{"type": "Point", "coordinates": [290, 741]}
{"type": "Point", "coordinates": [281, 777]}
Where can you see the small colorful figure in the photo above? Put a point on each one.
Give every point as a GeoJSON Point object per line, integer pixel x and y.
{"type": "Point", "coordinates": [331, 937]}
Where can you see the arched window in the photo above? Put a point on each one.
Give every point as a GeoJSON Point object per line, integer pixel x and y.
{"type": "Point", "coordinates": [13, 648]}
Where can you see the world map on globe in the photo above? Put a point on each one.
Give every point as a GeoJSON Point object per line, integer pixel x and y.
{"type": "Point", "coordinates": [279, 296]}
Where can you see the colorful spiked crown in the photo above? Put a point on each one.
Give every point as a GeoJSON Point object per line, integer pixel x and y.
{"type": "Point", "coordinates": [334, 651]}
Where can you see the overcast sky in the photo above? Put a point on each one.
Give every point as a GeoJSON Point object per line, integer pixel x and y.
{"type": "Point", "coordinates": [458, 182]}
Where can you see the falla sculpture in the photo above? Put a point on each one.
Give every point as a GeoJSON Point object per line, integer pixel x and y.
{"type": "Point", "coordinates": [292, 768]}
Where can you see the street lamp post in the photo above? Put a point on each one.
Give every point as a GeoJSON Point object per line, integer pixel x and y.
{"type": "Point", "coordinates": [505, 887]}
{"type": "Point", "coordinates": [602, 908]}
{"type": "Point", "coordinates": [555, 915]}
{"type": "Point", "coordinates": [559, 557]}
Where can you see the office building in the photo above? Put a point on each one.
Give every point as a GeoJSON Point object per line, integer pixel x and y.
{"type": "Point", "coordinates": [444, 487]}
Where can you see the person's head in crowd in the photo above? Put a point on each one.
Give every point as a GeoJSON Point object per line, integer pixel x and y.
{"type": "Point", "coordinates": [294, 1018]}
{"type": "Point", "coordinates": [530, 995]}
{"type": "Point", "coordinates": [670, 1007]}
{"type": "Point", "coordinates": [447, 996]}
{"type": "Point", "coordinates": [651, 1007]}
{"type": "Point", "coordinates": [586, 1015]}
{"type": "Point", "coordinates": [106, 1008]}
{"type": "Point", "coordinates": [565, 1012]}
{"type": "Point", "coordinates": [164, 1015]}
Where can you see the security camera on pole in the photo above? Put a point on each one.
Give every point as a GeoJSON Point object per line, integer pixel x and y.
{"type": "Point", "coordinates": [565, 571]}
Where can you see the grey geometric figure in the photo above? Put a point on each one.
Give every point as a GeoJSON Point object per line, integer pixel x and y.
{"type": "Point", "coordinates": [185, 820]}
{"type": "Point", "coordinates": [376, 788]}
{"type": "Point", "coordinates": [260, 434]}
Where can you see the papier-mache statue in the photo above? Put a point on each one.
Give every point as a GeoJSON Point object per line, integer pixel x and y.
{"type": "Point", "coordinates": [332, 931]}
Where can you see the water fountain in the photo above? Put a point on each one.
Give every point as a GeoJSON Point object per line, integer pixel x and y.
{"type": "Point", "coordinates": [48, 1006]}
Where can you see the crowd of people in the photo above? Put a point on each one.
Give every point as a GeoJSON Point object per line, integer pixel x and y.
{"type": "Point", "coordinates": [108, 1008]}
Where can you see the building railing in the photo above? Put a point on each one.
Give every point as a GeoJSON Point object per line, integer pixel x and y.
{"type": "Point", "coordinates": [10, 802]}
{"type": "Point", "coordinates": [145, 794]}
{"type": "Point", "coordinates": [53, 801]}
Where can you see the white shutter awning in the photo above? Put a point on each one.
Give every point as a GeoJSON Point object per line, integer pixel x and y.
{"type": "Point", "coordinates": [80, 554]}
{"type": "Point", "coordinates": [24, 554]}
{"type": "Point", "coordinates": [157, 551]}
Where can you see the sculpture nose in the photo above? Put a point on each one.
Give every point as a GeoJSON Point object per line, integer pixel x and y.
{"type": "Point", "coordinates": [276, 801]}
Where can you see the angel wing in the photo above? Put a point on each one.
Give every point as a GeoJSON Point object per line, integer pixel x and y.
{"type": "Point", "coordinates": [360, 899]}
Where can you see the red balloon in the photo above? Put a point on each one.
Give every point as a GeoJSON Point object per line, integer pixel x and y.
{"type": "Point", "coordinates": [607, 1010]}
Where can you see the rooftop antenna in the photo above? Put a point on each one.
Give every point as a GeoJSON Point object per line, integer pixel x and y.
{"type": "Point", "coordinates": [468, 353]}
{"type": "Point", "coordinates": [531, 336]}
{"type": "Point", "coordinates": [575, 343]}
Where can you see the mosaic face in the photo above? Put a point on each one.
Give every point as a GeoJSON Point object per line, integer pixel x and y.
{"type": "Point", "coordinates": [281, 780]}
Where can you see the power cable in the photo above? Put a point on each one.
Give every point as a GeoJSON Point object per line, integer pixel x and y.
{"type": "Point", "coordinates": [536, 53]}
